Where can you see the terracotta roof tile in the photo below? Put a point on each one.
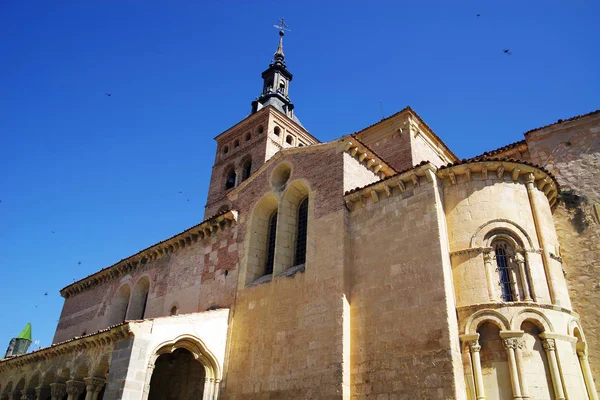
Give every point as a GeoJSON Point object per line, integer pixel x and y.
{"type": "Point", "coordinates": [560, 121]}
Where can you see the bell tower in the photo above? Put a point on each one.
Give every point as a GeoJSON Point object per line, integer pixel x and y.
{"type": "Point", "coordinates": [276, 80]}
{"type": "Point", "coordinates": [271, 127]}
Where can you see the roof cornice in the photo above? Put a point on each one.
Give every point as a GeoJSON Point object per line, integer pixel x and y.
{"type": "Point", "coordinates": [191, 235]}
{"type": "Point", "coordinates": [98, 339]}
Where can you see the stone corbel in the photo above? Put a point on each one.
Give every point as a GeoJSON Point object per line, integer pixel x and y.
{"type": "Point", "coordinates": [415, 180]}
{"type": "Point", "coordinates": [515, 174]}
{"type": "Point", "coordinates": [500, 172]}
{"type": "Point", "coordinates": [484, 172]}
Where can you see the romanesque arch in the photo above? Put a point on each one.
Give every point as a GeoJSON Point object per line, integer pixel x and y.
{"type": "Point", "coordinates": [139, 299]}
{"type": "Point", "coordinates": [120, 303]}
{"type": "Point", "coordinates": [258, 233]}
{"type": "Point", "coordinates": [184, 369]}
{"type": "Point", "coordinates": [288, 234]}
{"type": "Point", "coordinates": [479, 237]}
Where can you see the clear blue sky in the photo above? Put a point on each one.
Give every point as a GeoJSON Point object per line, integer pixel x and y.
{"type": "Point", "coordinates": [92, 179]}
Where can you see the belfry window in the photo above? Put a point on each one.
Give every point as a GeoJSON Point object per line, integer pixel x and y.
{"type": "Point", "coordinates": [230, 179]}
{"type": "Point", "coordinates": [504, 255]}
{"type": "Point", "coordinates": [246, 169]}
{"type": "Point", "coordinates": [271, 244]}
{"type": "Point", "coordinates": [301, 233]}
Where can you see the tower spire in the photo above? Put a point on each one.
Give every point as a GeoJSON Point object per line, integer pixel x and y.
{"type": "Point", "coordinates": [279, 57]}
{"type": "Point", "coordinates": [276, 80]}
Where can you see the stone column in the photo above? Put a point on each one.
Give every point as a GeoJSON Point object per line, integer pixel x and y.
{"type": "Point", "coordinates": [523, 275]}
{"type": "Point", "coordinates": [74, 389]}
{"type": "Point", "coordinates": [42, 392]}
{"type": "Point", "coordinates": [489, 273]}
{"type": "Point", "coordinates": [58, 390]}
{"type": "Point", "coordinates": [28, 394]}
{"type": "Point", "coordinates": [531, 283]}
{"type": "Point", "coordinates": [587, 372]}
{"type": "Point", "coordinates": [93, 386]}
{"type": "Point", "coordinates": [529, 183]}
{"type": "Point", "coordinates": [510, 344]}
{"type": "Point", "coordinates": [472, 342]}
{"type": "Point", "coordinates": [550, 347]}
{"type": "Point", "coordinates": [521, 368]}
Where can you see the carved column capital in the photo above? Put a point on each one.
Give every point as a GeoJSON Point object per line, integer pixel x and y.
{"type": "Point", "coordinates": [58, 390]}
{"type": "Point", "coordinates": [487, 257]}
{"type": "Point", "coordinates": [529, 178]}
{"type": "Point", "coordinates": [510, 343]}
{"type": "Point", "coordinates": [75, 388]}
{"type": "Point", "coordinates": [549, 344]}
{"type": "Point", "coordinates": [94, 384]}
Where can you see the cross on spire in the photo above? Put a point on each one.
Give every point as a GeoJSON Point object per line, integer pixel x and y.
{"type": "Point", "coordinates": [278, 56]}
{"type": "Point", "coordinates": [282, 25]}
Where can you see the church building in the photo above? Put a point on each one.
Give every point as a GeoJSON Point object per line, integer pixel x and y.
{"type": "Point", "coordinates": [377, 265]}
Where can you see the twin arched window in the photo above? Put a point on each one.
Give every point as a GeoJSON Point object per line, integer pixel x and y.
{"type": "Point", "coordinates": [511, 267]}
{"type": "Point", "coordinates": [128, 305]}
{"type": "Point", "coordinates": [300, 237]}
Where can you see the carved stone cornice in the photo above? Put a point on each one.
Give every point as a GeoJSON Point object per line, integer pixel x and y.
{"type": "Point", "coordinates": [364, 155]}
{"type": "Point", "coordinates": [99, 339]}
{"type": "Point", "coordinates": [542, 179]}
{"type": "Point", "coordinates": [403, 181]}
{"type": "Point", "coordinates": [201, 231]}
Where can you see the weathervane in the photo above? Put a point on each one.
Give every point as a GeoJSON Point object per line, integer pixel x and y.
{"type": "Point", "coordinates": [282, 27]}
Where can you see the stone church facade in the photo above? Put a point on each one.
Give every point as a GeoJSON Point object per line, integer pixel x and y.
{"type": "Point", "coordinates": [377, 265]}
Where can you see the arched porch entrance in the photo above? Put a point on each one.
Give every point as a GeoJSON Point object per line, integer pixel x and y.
{"type": "Point", "coordinates": [183, 370]}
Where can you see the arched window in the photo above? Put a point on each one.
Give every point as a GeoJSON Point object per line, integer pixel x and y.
{"type": "Point", "coordinates": [246, 169]}
{"type": "Point", "coordinates": [137, 309]}
{"type": "Point", "coordinates": [230, 179]}
{"type": "Point", "coordinates": [504, 262]}
{"type": "Point", "coordinates": [271, 244]}
{"type": "Point", "coordinates": [236, 143]}
{"type": "Point", "coordinates": [119, 305]}
{"type": "Point", "coordinates": [173, 311]}
{"type": "Point", "coordinates": [248, 136]}
{"type": "Point", "coordinates": [277, 130]}
{"type": "Point", "coordinates": [289, 139]}
{"type": "Point", "coordinates": [225, 149]}
{"type": "Point", "coordinates": [301, 232]}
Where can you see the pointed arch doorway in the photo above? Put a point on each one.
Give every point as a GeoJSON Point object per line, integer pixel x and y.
{"type": "Point", "coordinates": [183, 370]}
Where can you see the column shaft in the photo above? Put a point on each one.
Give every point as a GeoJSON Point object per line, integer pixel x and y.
{"type": "Point", "coordinates": [475, 348]}
{"type": "Point", "coordinates": [487, 261]}
{"type": "Point", "coordinates": [587, 375]}
{"type": "Point", "coordinates": [521, 369]}
{"type": "Point", "coordinates": [510, 345]}
{"type": "Point", "coordinates": [549, 346]}
{"type": "Point", "coordinates": [523, 275]}
{"type": "Point", "coordinates": [541, 236]}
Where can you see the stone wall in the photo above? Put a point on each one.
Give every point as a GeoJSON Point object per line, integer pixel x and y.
{"type": "Point", "coordinates": [197, 277]}
{"type": "Point", "coordinates": [403, 322]}
{"type": "Point", "coordinates": [571, 151]}
{"type": "Point", "coordinates": [287, 329]}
